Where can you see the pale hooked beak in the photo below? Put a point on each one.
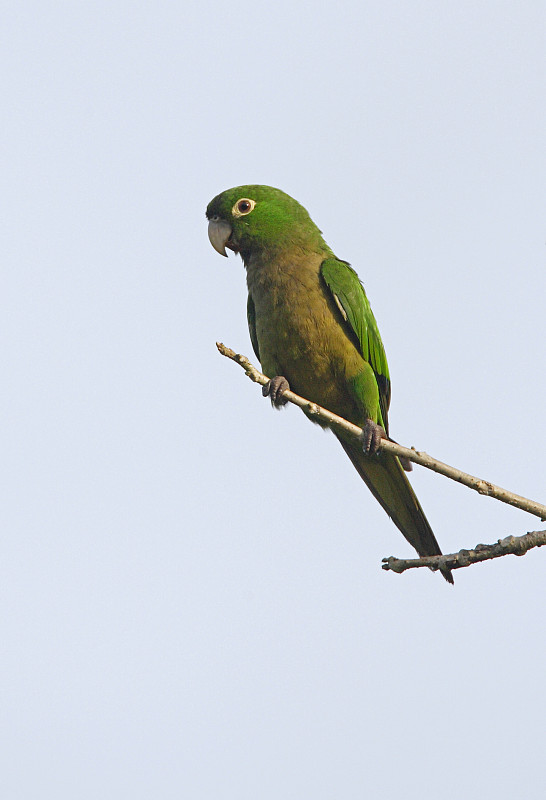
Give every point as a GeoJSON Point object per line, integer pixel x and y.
{"type": "Point", "coordinates": [219, 233]}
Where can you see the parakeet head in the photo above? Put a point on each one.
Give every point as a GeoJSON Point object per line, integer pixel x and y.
{"type": "Point", "coordinates": [249, 219]}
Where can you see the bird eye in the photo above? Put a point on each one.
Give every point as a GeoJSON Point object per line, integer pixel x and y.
{"type": "Point", "coordinates": [242, 207]}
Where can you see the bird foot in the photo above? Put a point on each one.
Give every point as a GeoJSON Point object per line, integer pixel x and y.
{"type": "Point", "coordinates": [274, 389]}
{"type": "Point", "coordinates": [372, 433]}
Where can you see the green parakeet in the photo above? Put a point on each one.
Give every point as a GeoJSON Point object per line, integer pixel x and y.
{"type": "Point", "coordinates": [313, 331]}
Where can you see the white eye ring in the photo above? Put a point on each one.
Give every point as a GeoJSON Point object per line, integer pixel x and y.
{"type": "Point", "coordinates": [243, 206]}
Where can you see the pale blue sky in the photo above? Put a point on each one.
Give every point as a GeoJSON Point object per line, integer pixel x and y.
{"type": "Point", "coordinates": [191, 598]}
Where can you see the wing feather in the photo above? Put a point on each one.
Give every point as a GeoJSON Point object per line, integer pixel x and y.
{"type": "Point", "coordinates": [350, 297]}
{"type": "Point", "coordinates": [251, 317]}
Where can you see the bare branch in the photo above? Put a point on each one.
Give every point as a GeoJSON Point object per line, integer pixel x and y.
{"type": "Point", "coordinates": [418, 456]}
{"type": "Point", "coordinates": [512, 545]}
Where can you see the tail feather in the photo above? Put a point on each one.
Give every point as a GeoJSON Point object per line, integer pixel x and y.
{"type": "Point", "coordinates": [387, 481]}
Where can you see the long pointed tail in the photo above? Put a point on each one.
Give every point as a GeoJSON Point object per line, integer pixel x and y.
{"type": "Point", "coordinates": [387, 481]}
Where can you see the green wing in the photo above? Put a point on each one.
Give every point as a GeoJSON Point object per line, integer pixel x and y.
{"type": "Point", "coordinates": [355, 309]}
{"type": "Point", "coordinates": [251, 317]}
